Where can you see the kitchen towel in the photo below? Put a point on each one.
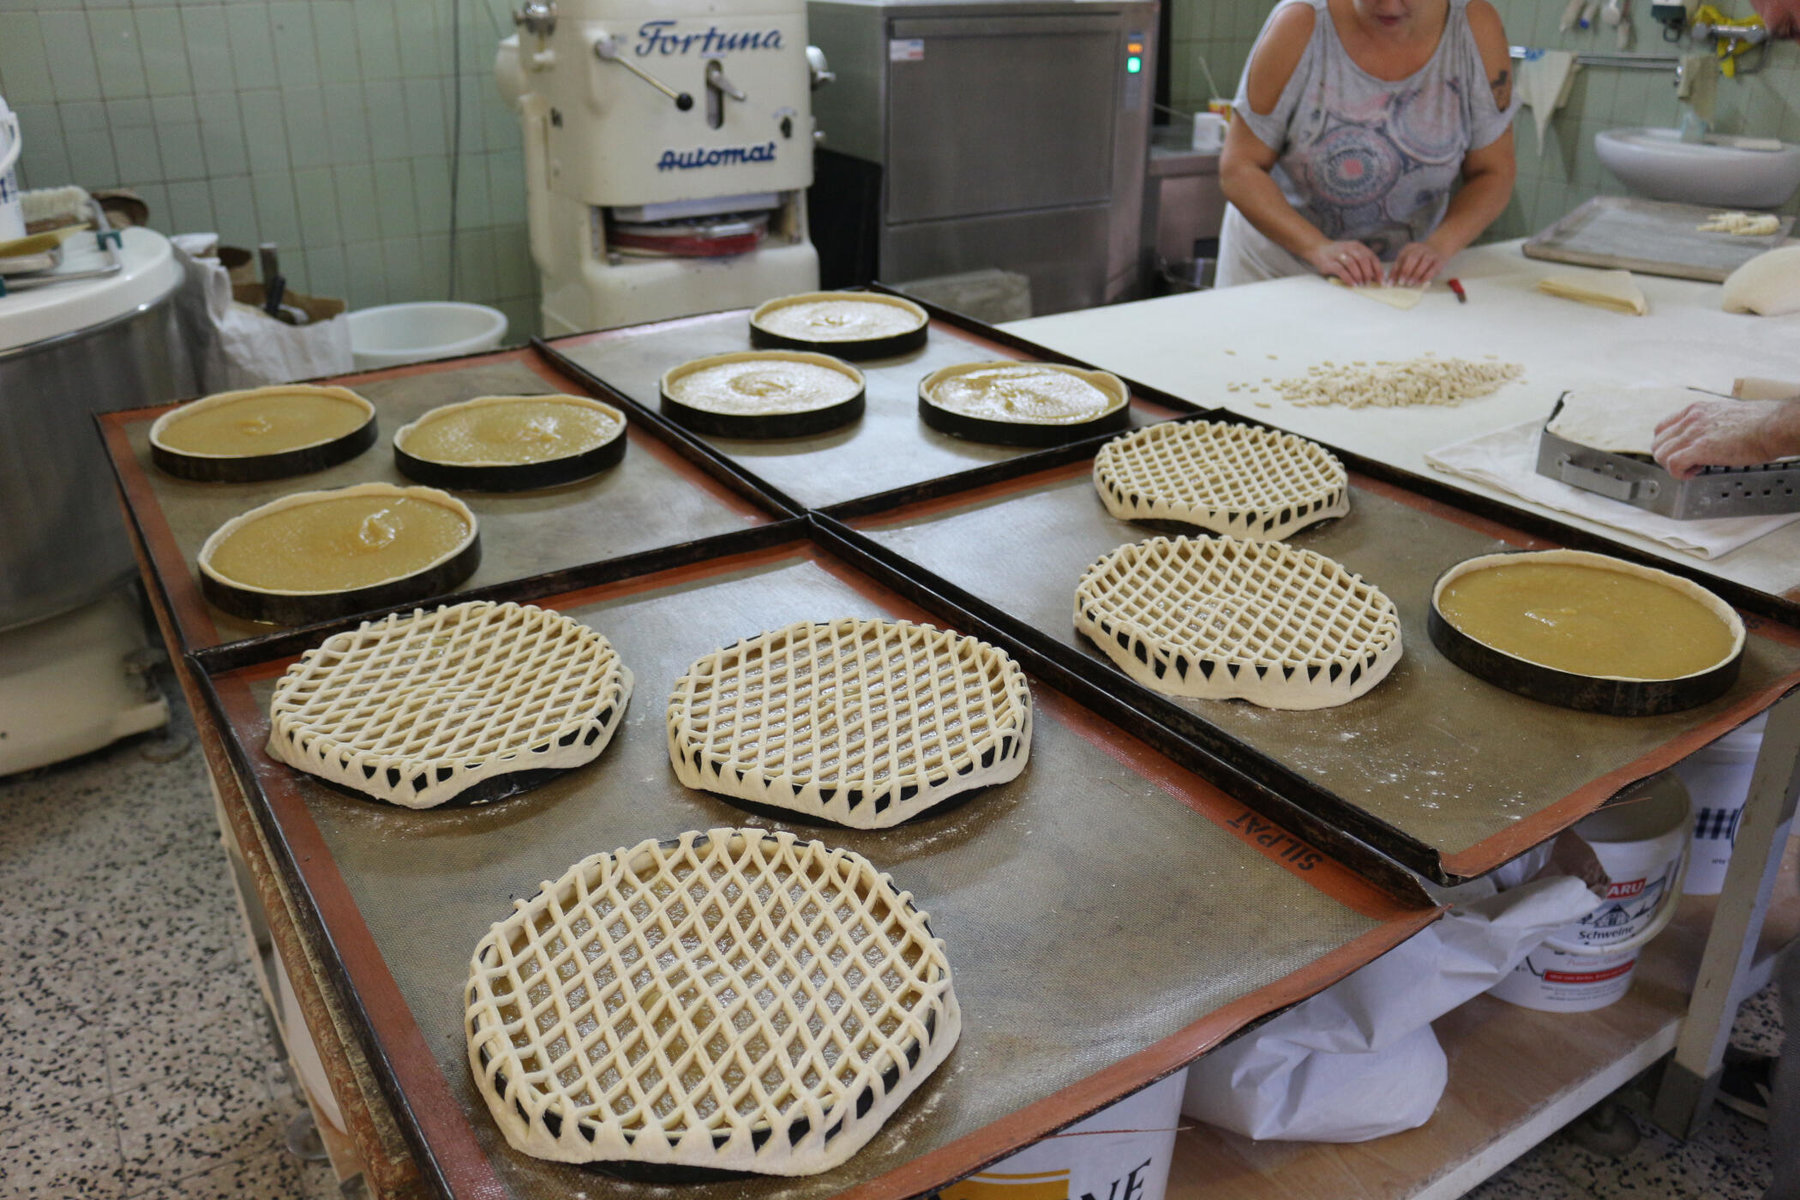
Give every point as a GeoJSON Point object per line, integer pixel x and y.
{"type": "Point", "coordinates": [1507, 459]}
{"type": "Point", "coordinates": [1545, 77]}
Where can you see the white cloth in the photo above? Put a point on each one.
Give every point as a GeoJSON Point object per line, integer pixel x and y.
{"type": "Point", "coordinates": [1507, 459]}
{"type": "Point", "coordinates": [1545, 80]}
{"type": "Point", "coordinates": [243, 347]}
{"type": "Point", "coordinates": [1359, 1060]}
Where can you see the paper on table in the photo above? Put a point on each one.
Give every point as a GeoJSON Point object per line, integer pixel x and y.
{"type": "Point", "coordinates": [1507, 459]}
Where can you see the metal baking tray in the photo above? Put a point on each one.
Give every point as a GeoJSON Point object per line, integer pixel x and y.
{"type": "Point", "coordinates": [1109, 915]}
{"type": "Point", "coordinates": [888, 453]}
{"type": "Point", "coordinates": [662, 494]}
{"type": "Point", "coordinates": [1641, 483]}
{"type": "Point", "coordinates": [1652, 237]}
{"type": "Point", "coordinates": [1446, 774]}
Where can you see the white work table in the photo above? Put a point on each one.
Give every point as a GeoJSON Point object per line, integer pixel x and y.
{"type": "Point", "coordinates": [1280, 328]}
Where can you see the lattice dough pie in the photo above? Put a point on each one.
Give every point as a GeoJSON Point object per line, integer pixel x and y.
{"type": "Point", "coordinates": [734, 999]}
{"type": "Point", "coordinates": [420, 708]}
{"type": "Point", "coordinates": [861, 722]}
{"type": "Point", "coordinates": [1232, 479]}
{"type": "Point", "coordinates": [1221, 618]}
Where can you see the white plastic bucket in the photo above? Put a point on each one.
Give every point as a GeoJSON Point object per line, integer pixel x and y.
{"type": "Point", "coordinates": [12, 214]}
{"type": "Point", "coordinates": [1124, 1150]}
{"type": "Point", "coordinates": [1718, 781]}
{"type": "Point", "coordinates": [1642, 845]}
{"type": "Point", "coordinates": [404, 333]}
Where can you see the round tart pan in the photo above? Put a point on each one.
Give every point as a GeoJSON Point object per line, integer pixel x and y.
{"type": "Point", "coordinates": [1611, 695]}
{"type": "Point", "coordinates": [302, 608]}
{"type": "Point", "coordinates": [510, 477]}
{"type": "Point", "coordinates": [239, 468]}
{"type": "Point", "coordinates": [1024, 433]}
{"type": "Point", "coordinates": [856, 348]}
{"type": "Point", "coordinates": [763, 425]}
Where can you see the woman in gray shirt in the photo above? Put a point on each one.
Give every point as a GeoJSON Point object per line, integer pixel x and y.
{"type": "Point", "coordinates": [1371, 140]}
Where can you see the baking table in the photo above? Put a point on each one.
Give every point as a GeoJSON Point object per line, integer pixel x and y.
{"type": "Point", "coordinates": [1194, 345]}
{"type": "Point", "coordinates": [264, 808]}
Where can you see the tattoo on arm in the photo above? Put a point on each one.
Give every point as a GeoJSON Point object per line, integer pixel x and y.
{"type": "Point", "coordinates": [1502, 86]}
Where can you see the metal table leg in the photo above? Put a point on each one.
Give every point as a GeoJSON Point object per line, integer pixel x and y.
{"type": "Point", "coordinates": [1692, 1077]}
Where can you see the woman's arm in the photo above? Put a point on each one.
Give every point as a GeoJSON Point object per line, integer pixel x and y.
{"type": "Point", "coordinates": [1487, 173]}
{"type": "Point", "coordinates": [1244, 167]}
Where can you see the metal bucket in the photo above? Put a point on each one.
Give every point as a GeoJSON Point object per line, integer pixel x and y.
{"type": "Point", "coordinates": [64, 543]}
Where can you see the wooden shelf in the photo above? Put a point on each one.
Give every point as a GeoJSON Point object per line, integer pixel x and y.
{"type": "Point", "coordinates": [1516, 1077]}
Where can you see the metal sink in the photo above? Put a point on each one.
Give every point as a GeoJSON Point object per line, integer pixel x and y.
{"type": "Point", "coordinates": [1716, 170]}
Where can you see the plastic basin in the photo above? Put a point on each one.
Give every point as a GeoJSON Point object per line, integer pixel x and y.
{"type": "Point", "coordinates": [405, 333]}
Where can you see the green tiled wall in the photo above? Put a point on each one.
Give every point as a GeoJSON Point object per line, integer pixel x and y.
{"type": "Point", "coordinates": [321, 125]}
{"type": "Point", "coordinates": [1566, 171]}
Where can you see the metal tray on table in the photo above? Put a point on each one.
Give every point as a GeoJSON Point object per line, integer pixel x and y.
{"type": "Point", "coordinates": [888, 452]}
{"type": "Point", "coordinates": [1448, 775]}
{"type": "Point", "coordinates": [1109, 915]}
{"type": "Point", "coordinates": [662, 494]}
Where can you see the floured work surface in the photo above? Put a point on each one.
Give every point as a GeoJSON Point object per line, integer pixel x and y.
{"type": "Point", "coordinates": [1098, 904]}
{"type": "Point", "coordinates": [1656, 237]}
{"type": "Point", "coordinates": [1447, 774]}
{"type": "Point", "coordinates": [651, 500]}
{"type": "Point", "coordinates": [888, 447]}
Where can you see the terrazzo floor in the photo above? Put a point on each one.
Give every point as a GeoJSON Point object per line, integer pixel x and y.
{"type": "Point", "coordinates": [136, 1059]}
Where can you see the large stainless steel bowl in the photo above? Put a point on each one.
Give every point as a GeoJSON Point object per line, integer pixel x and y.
{"type": "Point", "coordinates": [66, 353]}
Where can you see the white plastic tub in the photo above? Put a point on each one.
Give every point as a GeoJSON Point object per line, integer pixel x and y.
{"type": "Point", "coordinates": [1718, 779]}
{"type": "Point", "coordinates": [1122, 1151]}
{"type": "Point", "coordinates": [1642, 844]}
{"type": "Point", "coordinates": [404, 333]}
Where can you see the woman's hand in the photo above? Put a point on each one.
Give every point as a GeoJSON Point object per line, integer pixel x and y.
{"type": "Point", "coordinates": [1417, 264]}
{"type": "Point", "coordinates": [1352, 262]}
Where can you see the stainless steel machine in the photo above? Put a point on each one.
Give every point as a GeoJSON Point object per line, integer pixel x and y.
{"type": "Point", "coordinates": [1005, 134]}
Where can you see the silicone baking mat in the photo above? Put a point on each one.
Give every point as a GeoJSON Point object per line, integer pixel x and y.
{"type": "Point", "coordinates": [1450, 775]}
{"type": "Point", "coordinates": [887, 449]}
{"type": "Point", "coordinates": [653, 499]}
{"type": "Point", "coordinates": [1108, 915]}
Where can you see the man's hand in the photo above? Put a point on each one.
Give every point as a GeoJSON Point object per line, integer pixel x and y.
{"type": "Point", "coordinates": [1781, 16]}
{"type": "Point", "coordinates": [1418, 263]}
{"type": "Point", "coordinates": [1352, 262]}
{"type": "Point", "coordinates": [1719, 433]}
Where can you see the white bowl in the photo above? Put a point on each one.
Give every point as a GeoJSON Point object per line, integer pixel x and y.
{"type": "Point", "coordinates": [404, 333]}
{"type": "Point", "coordinates": [1719, 171]}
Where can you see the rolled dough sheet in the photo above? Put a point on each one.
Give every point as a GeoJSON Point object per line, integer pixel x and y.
{"type": "Point", "coordinates": [1615, 290]}
{"type": "Point", "coordinates": [1620, 420]}
{"type": "Point", "coordinates": [1401, 298]}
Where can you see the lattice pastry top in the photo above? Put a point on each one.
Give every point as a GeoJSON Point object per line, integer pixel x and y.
{"type": "Point", "coordinates": [1221, 618]}
{"type": "Point", "coordinates": [861, 722]}
{"type": "Point", "coordinates": [734, 999]}
{"type": "Point", "coordinates": [1231, 479]}
{"type": "Point", "coordinates": [419, 708]}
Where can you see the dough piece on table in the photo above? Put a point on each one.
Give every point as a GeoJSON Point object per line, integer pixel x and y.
{"type": "Point", "coordinates": [731, 1000]}
{"type": "Point", "coordinates": [1223, 619]}
{"type": "Point", "coordinates": [1741, 224]}
{"type": "Point", "coordinates": [864, 723]}
{"type": "Point", "coordinates": [420, 708]}
{"type": "Point", "coordinates": [1619, 420]}
{"type": "Point", "coordinates": [1393, 296]}
{"type": "Point", "coordinates": [1768, 284]}
{"type": "Point", "coordinates": [1225, 478]}
{"type": "Point", "coordinates": [1615, 290]}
